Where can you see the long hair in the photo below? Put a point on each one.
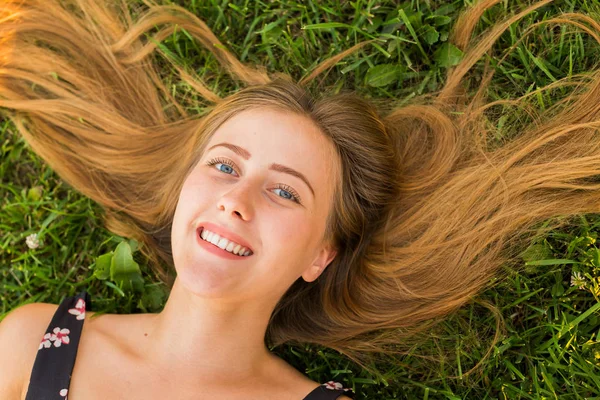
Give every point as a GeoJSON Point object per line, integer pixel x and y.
{"type": "Point", "coordinates": [427, 207]}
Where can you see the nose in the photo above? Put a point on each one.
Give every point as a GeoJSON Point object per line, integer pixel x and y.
{"type": "Point", "coordinates": [236, 202]}
{"type": "Point", "coordinates": [239, 214]}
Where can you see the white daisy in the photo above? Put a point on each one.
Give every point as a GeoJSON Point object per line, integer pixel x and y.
{"type": "Point", "coordinates": [32, 241]}
{"type": "Point", "coordinates": [577, 279]}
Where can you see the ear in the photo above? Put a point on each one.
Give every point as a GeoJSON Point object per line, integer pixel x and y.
{"type": "Point", "coordinates": [325, 256]}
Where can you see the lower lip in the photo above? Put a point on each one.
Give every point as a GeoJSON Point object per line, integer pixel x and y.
{"type": "Point", "coordinates": [217, 250]}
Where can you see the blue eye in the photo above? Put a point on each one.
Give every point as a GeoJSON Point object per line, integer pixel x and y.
{"type": "Point", "coordinates": [220, 161]}
{"type": "Point", "coordinates": [294, 196]}
{"type": "Point", "coordinates": [290, 191]}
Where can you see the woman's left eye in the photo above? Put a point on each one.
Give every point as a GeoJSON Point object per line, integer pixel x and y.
{"type": "Point", "coordinates": [294, 195]}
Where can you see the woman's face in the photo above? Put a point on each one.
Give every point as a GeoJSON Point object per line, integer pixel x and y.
{"type": "Point", "coordinates": [242, 194]}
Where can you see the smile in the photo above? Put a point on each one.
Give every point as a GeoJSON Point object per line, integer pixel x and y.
{"type": "Point", "coordinates": [214, 249]}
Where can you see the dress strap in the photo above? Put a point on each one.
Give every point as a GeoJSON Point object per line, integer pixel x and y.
{"type": "Point", "coordinates": [329, 391]}
{"type": "Point", "coordinates": [55, 359]}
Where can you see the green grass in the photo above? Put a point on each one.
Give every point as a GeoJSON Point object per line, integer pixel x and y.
{"type": "Point", "coordinates": [549, 337]}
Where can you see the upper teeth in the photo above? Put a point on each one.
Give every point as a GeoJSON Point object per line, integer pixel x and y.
{"type": "Point", "coordinates": [223, 243]}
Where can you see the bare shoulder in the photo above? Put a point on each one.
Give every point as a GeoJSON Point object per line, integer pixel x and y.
{"type": "Point", "coordinates": [291, 381]}
{"type": "Point", "coordinates": [21, 331]}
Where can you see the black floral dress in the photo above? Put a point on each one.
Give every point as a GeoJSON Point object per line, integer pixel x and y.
{"type": "Point", "coordinates": [54, 362]}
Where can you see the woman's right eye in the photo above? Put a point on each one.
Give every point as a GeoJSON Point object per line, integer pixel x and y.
{"type": "Point", "coordinates": [221, 161]}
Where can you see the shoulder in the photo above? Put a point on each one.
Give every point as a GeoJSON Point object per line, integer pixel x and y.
{"type": "Point", "coordinates": [21, 331]}
{"type": "Point", "coordinates": [297, 385]}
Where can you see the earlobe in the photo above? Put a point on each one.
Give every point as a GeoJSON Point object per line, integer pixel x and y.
{"type": "Point", "coordinates": [319, 266]}
{"type": "Point", "coordinates": [312, 274]}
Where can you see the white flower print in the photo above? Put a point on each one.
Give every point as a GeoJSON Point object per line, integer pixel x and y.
{"type": "Point", "coordinates": [46, 341]}
{"type": "Point", "coordinates": [64, 392]}
{"type": "Point", "coordinates": [79, 309]}
{"type": "Point", "coordinates": [333, 385]}
{"type": "Point", "coordinates": [59, 336]}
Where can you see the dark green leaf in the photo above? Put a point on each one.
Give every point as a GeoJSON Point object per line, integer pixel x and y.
{"type": "Point", "coordinates": [446, 9]}
{"type": "Point", "coordinates": [134, 245]}
{"type": "Point", "coordinates": [448, 55]}
{"type": "Point", "coordinates": [439, 20]}
{"type": "Point", "coordinates": [536, 252]}
{"type": "Point", "coordinates": [557, 289]}
{"type": "Point", "coordinates": [124, 271]}
{"type": "Point", "coordinates": [384, 74]}
{"type": "Point", "coordinates": [102, 267]}
{"type": "Point", "coordinates": [34, 193]}
{"type": "Point", "coordinates": [431, 35]}
{"type": "Point", "coordinates": [154, 298]}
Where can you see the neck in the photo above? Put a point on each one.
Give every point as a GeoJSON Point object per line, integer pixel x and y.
{"type": "Point", "coordinates": [209, 340]}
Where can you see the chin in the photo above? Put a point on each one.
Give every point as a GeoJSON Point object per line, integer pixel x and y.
{"type": "Point", "coordinates": [207, 281]}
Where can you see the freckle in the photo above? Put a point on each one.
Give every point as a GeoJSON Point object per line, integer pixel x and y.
{"type": "Point", "coordinates": [145, 334]}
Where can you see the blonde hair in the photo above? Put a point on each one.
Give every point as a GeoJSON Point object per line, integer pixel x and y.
{"type": "Point", "coordinates": [427, 208]}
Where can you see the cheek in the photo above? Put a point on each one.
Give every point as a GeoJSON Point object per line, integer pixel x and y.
{"type": "Point", "coordinates": [189, 204]}
{"type": "Point", "coordinates": [183, 204]}
{"type": "Point", "coordinates": [191, 196]}
{"type": "Point", "coordinates": [293, 236]}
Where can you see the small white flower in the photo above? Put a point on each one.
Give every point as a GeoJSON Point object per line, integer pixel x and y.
{"type": "Point", "coordinates": [578, 280]}
{"type": "Point", "coordinates": [46, 341]}
{"type": "Point", "coordinates": [333, 385]}
{"type": "Point", "coordinates": [32, 241]}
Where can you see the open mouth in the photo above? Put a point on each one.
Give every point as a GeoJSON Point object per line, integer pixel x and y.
{"type": "Point", "coordinates": [224, 251]}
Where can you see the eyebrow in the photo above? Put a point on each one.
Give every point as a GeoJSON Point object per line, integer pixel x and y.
{"type": "Point", "coordinates": [245, 154]}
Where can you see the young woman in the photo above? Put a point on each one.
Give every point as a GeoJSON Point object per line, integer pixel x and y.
{"type": "Point", "coordinates": [276, 216]}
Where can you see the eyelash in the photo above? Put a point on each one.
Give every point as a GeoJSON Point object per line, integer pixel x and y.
{"type": "Point", "coordinates": [296, 198]}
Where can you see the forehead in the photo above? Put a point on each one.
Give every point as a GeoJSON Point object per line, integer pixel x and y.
{"type": "Point", "coordinates": [276, 136]}
{"type": "Point", "coordinates": [268, 122]}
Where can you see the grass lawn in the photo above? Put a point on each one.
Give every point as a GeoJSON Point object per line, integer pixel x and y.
{"type": "Point", "coordinates": [543, 340]}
